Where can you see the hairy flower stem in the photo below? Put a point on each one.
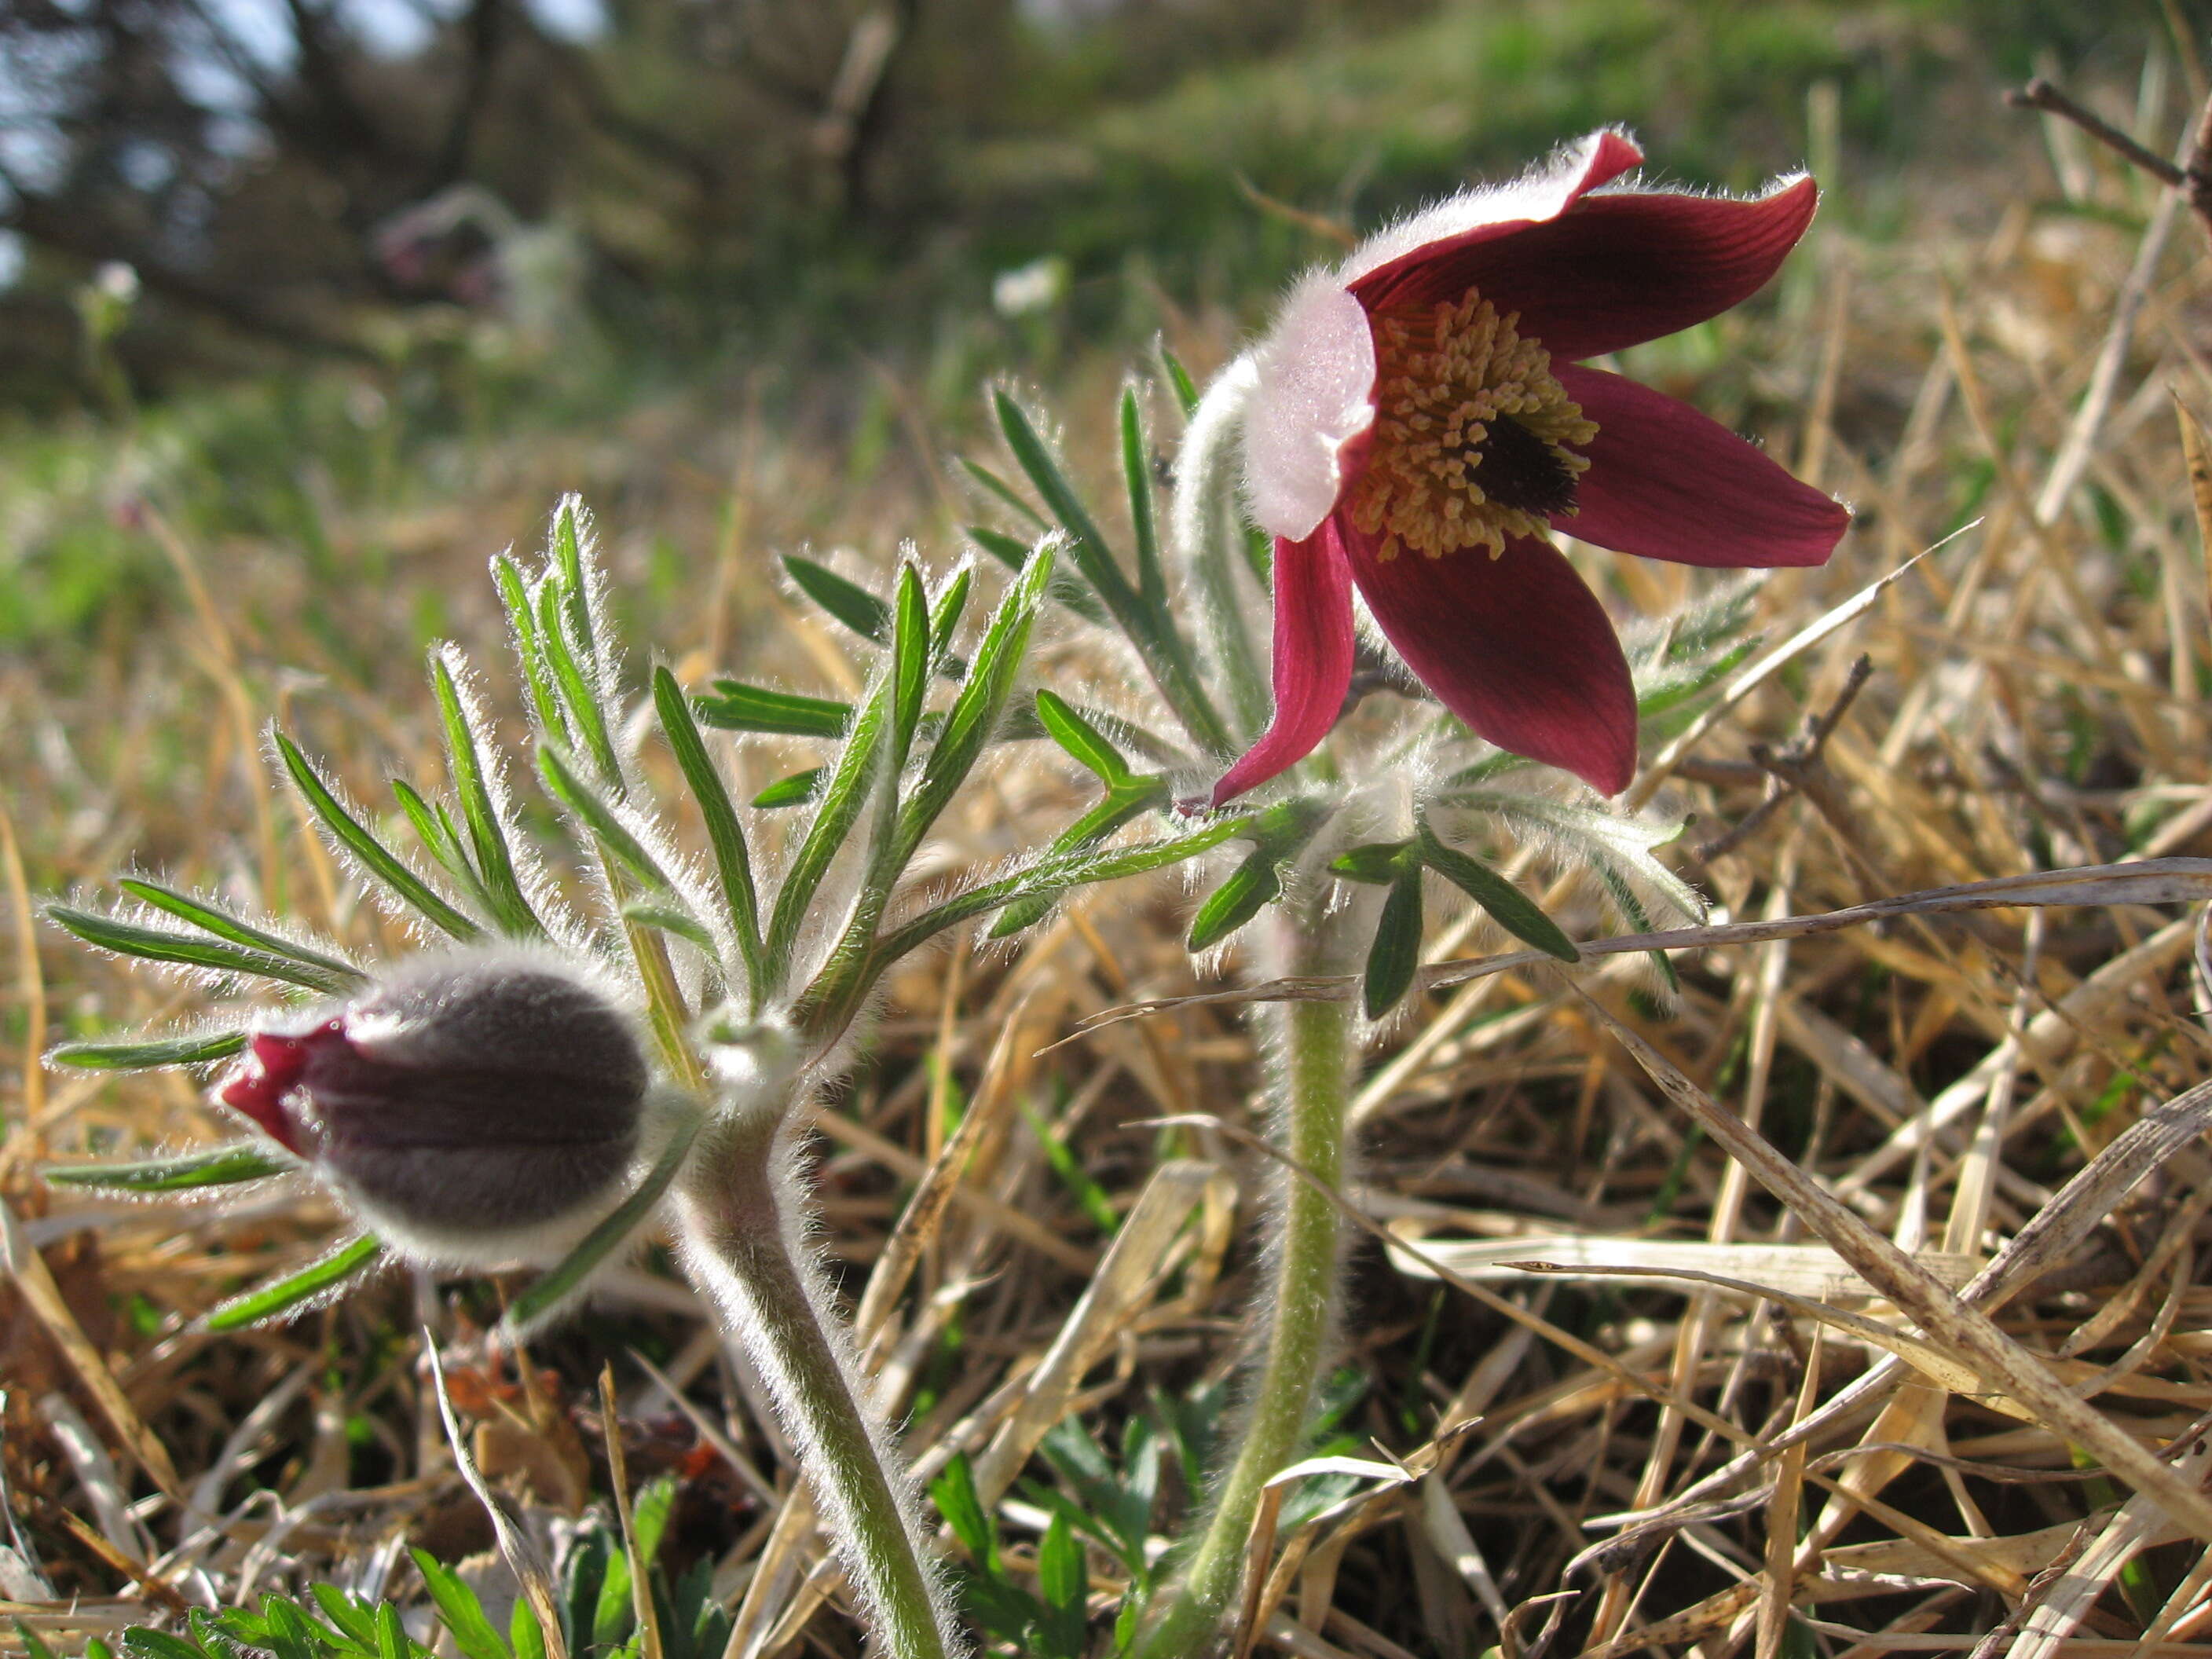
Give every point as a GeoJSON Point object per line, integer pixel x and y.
{"type": "Point", "coordinates": [744, 1244]}
{"type": "Point", "coordinates": [1317, 1044]}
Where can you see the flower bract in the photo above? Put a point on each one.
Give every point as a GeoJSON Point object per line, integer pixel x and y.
{"type": "Point", "coordinates": [1421, 417]}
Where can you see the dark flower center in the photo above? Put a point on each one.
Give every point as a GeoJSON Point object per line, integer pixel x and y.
{"type": "Point", "coordinates": [1475, 438]}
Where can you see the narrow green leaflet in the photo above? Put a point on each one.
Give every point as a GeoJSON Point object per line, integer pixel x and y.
{"type": "Point", "coordinates": [435, 828]}
{"type": "Point", "coordinates": [737, 707]}
{"type": "Point", "coordinates": [1086, 745]}
{"type": "Point", "coordinates": [954, 1493]}
{"type": "Point", "coordinates": [1278, 832]}
{"type": "Point", "coordinates": [725, 834]}
{"type": "Point", "coordinates": [1396, 955]}
{"type": "Point", "coordinates": [310, 1284]}
{"type": "Point", "coordinates": [910, 654]}
{"type": "Point", "coordinates": [378, 860]}
{"type": "Point", "coordinates": [1066, 1582]}
{"type": "Point", "coordinates": [1507, 905]}
{"type": "Point", "coordinates": [836, 811]}
{"type": "Point", "coordinates": [669, 919]}
{"type": "Point", "coordinates": [1123, 802]}
{"type": "Point", "coordinates": [1050, 876]}
{"type": "Point", "coordinates": [1137, 477]}
{"type": "Point", "coordinates": [975, 711]}
{"type": "Point", "coordinates": [1623, 845]}
{"type": "Point", "coordinates": [1005, 492]}
{"type": "Point", "coordinates": [567, 561]}
{"type": "Point", "coordinates": [146, 1056]}
{"type": "Point", "coordinates": [578, 689]}
{"type": "Point", "coordinates": [945, 622]}
{"type": "Point", "coordinates": [488, 835]}
{"type": "Point", "coordinates": [529, 649]}
{"type": "Point", "coordinates": [217, 1166]}
{"type": "Point", "coordinates": [848, 602]}
{"type": "Point", "coordinates": [129, 938]}
{"type": "Point", "coordinates": [1376, 864]}
{"type": "Point", "coordinates": [341, 976]}
{"type": "Point", "coordinates": [464, 1615]}
{"type": "Point", "coordinates": [579, 798]}
{"type": "Point", "coordinates": [1186, 389]}
{"type": "Point", "coordinates": [1013, 552]}
{"type": "Point", "coordinates": [548, 1293]}
{"type": "Point", "coordinates": [794, 791]}
{"type": "Point", "coordinates": [1252, 886]}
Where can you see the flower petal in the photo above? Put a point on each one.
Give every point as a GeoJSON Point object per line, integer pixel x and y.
{"type": "Point", "coordinates": [1489, 211]}
{"type": "Point", "coordinates": [1614, 270]}
{"type": "Point", "coordinates": [1666, 483]}
{"type": "Point", "coordinates": [1315, 395]}
{"type": "Point", "coordinates": [1516, 647]}
{"type": "Point", "coordinates": [1313, 658]}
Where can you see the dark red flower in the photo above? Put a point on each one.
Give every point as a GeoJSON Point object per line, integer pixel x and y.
{"type": "Point", "coordinates": [465, 1100]}
{"type": "Point", "coordinates": [1419, 421]}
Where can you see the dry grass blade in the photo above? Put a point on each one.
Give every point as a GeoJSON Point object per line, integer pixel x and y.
{"type": "Point", "coordinates": [1964, 1333]}
{"type": "Point", "coordinates": [2148, 881]}
{"type": "Point", "coordinates": [1799, 1270]}
{"type": "Point", "coordinates": [1134, 1267]}
{"type": "Point", "coordinates": [524, 1559]}
{"type": "Point", "coordinates": [34, 1281]}
{"type": "Point", "coordinates": [640, 1576]}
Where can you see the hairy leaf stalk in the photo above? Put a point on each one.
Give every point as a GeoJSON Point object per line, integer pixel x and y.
{"type": "Point", "coordinates": [1316, 1046]}
{"type": "Point", "coordinates": [744, 1231]}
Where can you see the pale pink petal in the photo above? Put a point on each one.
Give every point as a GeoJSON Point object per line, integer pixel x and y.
{"type": "Point", "coordinates": [1516, 645]}
{"type": "Point", "coordinates": [1614, 270]}
{"type": "Point", "coordinates": [1488, 211]}
{"type": "Point", "coordinates": [1315, 396]}
{"type": "Point", "coordinates": [1313, 658]}
{"type": "Point", "coordinates": [1667, 483]}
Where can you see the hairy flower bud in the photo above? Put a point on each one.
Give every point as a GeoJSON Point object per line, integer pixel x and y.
{"type": "Point", "coordinates": [467, 1103]}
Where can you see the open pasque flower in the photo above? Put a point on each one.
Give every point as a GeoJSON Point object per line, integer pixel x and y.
{"type": "Point", "coordinates": [1420, 419]}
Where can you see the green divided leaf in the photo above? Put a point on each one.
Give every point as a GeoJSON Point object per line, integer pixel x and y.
{"type": "Point", "coordinates": [737, 707]}
{"type": "Point", "coordinates": [129, 938]}
{"type": "Point", "coordinates": [1376, 864]}
{"type": "Point", "coordinates": [340, 975]}
{"type": "Point", "coordinates": [217, 1166]}
{"type": "Point", "coordinates": [1066, 1582]}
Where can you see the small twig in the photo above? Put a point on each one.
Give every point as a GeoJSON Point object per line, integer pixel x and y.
{"type": "Point", "coordinates": [2192, 178]}
{"type": "Point", "coordinates": [2042, 95]}
{"type": "Point", "coordinates": [1796, 770]}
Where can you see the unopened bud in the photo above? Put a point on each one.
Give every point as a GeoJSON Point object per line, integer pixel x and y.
{"type": "Point", "coordinates": [465, 1103]}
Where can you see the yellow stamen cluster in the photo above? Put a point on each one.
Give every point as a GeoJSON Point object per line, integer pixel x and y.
{"type": "Point", "coordinates": [1446, 376]}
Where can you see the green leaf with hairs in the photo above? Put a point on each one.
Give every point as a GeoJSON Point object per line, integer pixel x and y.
{"type": "Point", "coordinates": [1507, 905]}
{"type": "Point", "coordinates": [737, 707]}
{"type": "Point", "coordinates": [725, 834]}
{"type": "Point", "coordinates": [342, 976]}
{"type": "Point", "coordinates": [311, 1284]}
{"type": "Point", "coordinates": [217, 1166]}
{"type": "Point", "coordinates": [794, 791]}
{"type": "Point", "coordinates": [146, 1056]}
{"type": "Point", "coordinates": [129, 938]}
{"type": "Point", "coordinates": [375, 857]}
{"type": "Point", "coordinates": [1396, 955]}
{"type": "Point", "coordinates": [847, 601]}
{"type": "Point", "coordinates": [1086, 745]}
{"type": "Point", "coordinates": [488, 835]}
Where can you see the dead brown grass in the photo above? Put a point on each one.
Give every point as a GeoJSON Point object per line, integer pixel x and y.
{"type": "Point", "coordinates": [1930, 1083]}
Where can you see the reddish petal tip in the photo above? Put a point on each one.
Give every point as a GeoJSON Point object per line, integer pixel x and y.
{"type": "Point", "coordinates": [272, 1069]}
